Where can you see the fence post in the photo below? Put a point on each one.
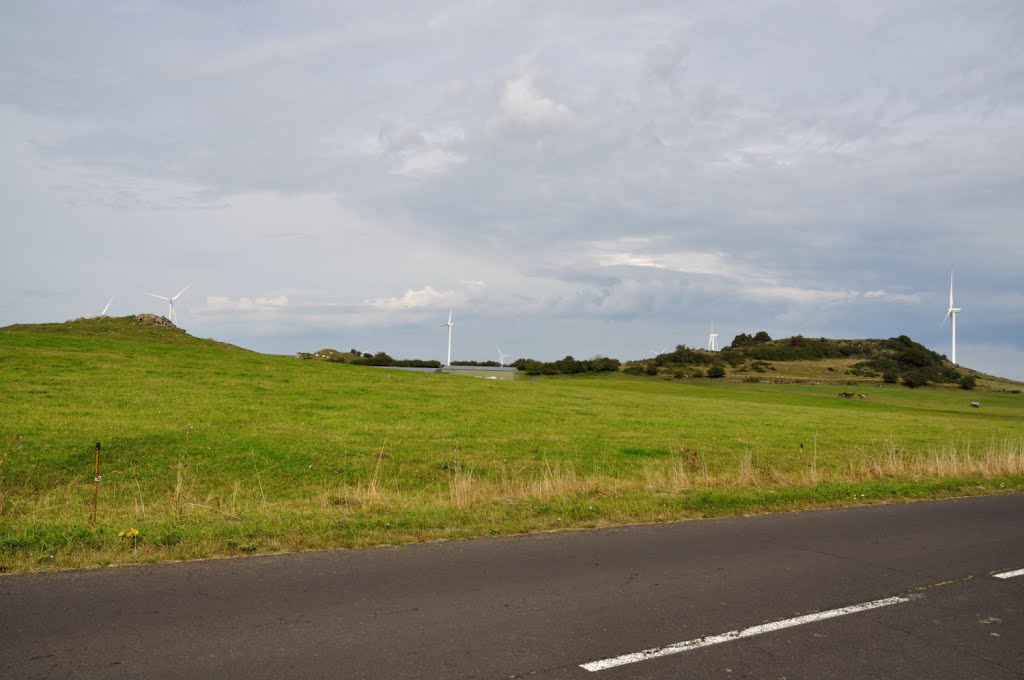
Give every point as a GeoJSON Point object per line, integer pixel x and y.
{"type": "Point", "coordinates": [96, 486]}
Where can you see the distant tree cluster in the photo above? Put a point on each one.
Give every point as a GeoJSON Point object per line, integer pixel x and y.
{"type": "Point", "coordinates": [897, 360]}
{"type": "Point", "coordinates": [744, 340]}
{"type": "Point", "coordinates": [761, 347]}
{"type": "Point", "coordinates": [903, 360]}
{"type": "Point", "coordinates": [354, 356]}
{"type": "Point", "coordinates": [684, 356]}
{"type": "Point", "coordinates": [568, 365]}
{"type": "Point", "coordinates": [678, 362]}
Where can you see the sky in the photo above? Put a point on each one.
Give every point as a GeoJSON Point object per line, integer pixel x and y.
{"type": "Point", "coordinates": [575, 178]}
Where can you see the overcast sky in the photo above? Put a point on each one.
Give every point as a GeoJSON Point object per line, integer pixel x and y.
{"type": "Point", "coordinates": [572, 177]}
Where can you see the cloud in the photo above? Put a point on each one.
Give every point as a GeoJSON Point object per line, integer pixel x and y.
{"type": "Point", "coordinates": [666, 61]}
{"type": "Point", "coordinates": [217, 303]}
{"type": "Point", "coordinates": [429, 298]}
{"type": "Point", "coordinates": [630, 161]}
{"type": "Point", "coordinates": [426, 162]}
{"type": "Point", "coordinates": [523, 111]}
{"type": "Point", "coordinates": [886, 296]}
{"type": "Point", "coordinates": [411, 151]}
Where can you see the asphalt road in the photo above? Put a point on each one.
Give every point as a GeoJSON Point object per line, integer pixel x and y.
{"type": "Point", "coordinates": [542, 606]}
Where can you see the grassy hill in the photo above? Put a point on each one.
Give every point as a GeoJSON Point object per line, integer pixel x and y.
{"type": "Point", "coordinates": [209, 449]}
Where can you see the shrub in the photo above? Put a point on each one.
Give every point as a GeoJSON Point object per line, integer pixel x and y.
{"type": "Point", "coordinates": [968, 382]}
{"type": "Point", "coordinates": [716, 371]}
{"type": "Point", "coordinates": [915, 379]}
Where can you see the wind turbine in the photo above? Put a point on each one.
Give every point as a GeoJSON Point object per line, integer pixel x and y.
{"type": "Point", "coordinates": [109, 302]}
{"type": "Point", "coordinates": [659, 351]}
{"type": "Point", "coordinates": [713, 339]}
{"type": "Point", "coordinates": [170, 302]}
{"type": "Point", "coordinates": [450, 326]}
{"type": "Point", "coordinates": [951, 315]}
{"type": "Point", "coordinates": [501, 356]}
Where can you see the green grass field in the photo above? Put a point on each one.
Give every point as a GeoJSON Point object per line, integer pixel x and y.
{"type": "Point", "coordinates": [211, 450]}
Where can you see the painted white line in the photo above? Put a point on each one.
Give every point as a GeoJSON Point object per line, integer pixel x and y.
{"type": "Point", "coordinates": [1010, 574]}
{"type": "Point", "coordinates": [678, 647]}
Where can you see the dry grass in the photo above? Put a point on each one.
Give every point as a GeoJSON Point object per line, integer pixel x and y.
{"type": "Point", "coordinates": [559, 481]}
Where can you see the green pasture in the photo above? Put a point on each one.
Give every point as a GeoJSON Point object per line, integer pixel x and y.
{"type": "Point", "coordinates": [208, 449]}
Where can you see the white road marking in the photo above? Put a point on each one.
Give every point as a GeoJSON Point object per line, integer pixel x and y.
{"type": "Point", "coordinates": [686, 646]}
{"type": "Point", "coordinates": [1010, 574]}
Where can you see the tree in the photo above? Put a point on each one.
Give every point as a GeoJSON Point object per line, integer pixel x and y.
{"type": "Point", "coordinates": [741, 340]}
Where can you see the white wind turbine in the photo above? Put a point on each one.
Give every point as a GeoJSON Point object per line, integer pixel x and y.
{"type": "Point", "coordinates": [170, 302]}
{"type": "Point", "coordinates": [450, 326]}
{"type": "Point", "coordinates": [713, 339]}
{"type": "Point", "coordinates": [501, 356]}
{"type": "Point", "coordinates": [951, 315]}
{"type": "Point", "coordinates": [105, 308]}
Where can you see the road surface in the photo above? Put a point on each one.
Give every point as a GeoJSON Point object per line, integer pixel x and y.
{"type": "Point", "coordinates": [923, 590]}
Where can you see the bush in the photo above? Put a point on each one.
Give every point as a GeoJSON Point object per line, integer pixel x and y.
{"type": "Point", "coordinates": [716, 371]}
{"type": "Point", "coordinates": [890, 378]}
{"type": "Point", "coordinates": [968, 382]}
{"type": "Point", "coordinates": [915, 379]}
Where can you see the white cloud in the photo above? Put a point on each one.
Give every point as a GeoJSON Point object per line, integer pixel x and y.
{"type": "Point", "coordinates": [795, 295]}
{"type": "Point", "coordinates": [523, 110]}
{"type": "Point", "coordinates": [429, 297]}
{"type": "Point", "coordinates": [886, 296]}
{"type": "Point", "coordinates": [219, 303]}
{"type": "Point", "coordinates": [426, 162]}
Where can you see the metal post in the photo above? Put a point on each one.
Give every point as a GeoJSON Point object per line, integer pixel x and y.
{"type": "Point", "coordinates": [96, 486]}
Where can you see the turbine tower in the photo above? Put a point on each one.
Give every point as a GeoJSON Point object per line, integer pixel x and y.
{"type": "Point", "coordinates": [713, 339]}
{"type": "Point", "coordinates": [501, 356]}
{"type": "Point", "coordinates": [450, 326]}
{"type": "Point", "coordinates": [170, 302]}
{"type": "Point", "coordinates": [951, 315]}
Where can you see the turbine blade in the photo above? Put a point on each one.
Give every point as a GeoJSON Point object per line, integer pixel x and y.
{"type": "Point", "coordinates": [450, 315]}
{"type": "Point", "coordinates": [104, 312]}
{"type": "Point", "coordinates": [182, 291]}
{"type": "Point", "coordinates": [159, 296]}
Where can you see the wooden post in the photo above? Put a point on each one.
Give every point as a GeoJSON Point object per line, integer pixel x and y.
{"type": "Point", "coordinates": [96, 486]}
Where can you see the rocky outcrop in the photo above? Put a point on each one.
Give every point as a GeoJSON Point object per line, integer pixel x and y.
{"type": "Point", "coordinates": [155, 320]}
